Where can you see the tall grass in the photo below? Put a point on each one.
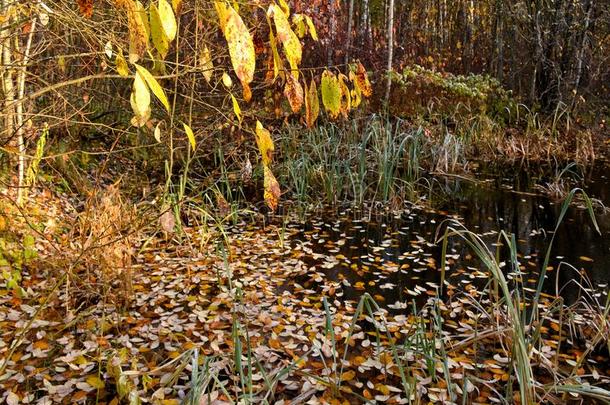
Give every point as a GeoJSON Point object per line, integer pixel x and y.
{"type": "Point", "coordinates": [376, 160]}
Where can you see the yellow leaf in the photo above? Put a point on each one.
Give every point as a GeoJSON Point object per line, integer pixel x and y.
{"type": "Point", "coordinates": [140, 118]}
{"type": "Point", "coordinates": [298, 20]}
{"type": "Point", "coordinates": [346, 99]}
{"type": "Point", "coordinates": [356, 93]}
{"type": "Point", "coordinates": [226, 80]}
{"type": "Point", "coordinates": [272, 189]}
{"type": "Point", "coordinates": [383, 389]}
{"type": "Point", "coordinates": [190, 135]}
{"type": "Point", "coordinates": [265, 143]}
{"type": "Point", "coordinates": [348, 375]}
{"type": "Point", "coordinates": [95, 382]}
{"type": "Point", "coordinates": [141, 96]}
{"type": "Point", "coordinates": [277, 62]}
{"type": "Point", "coordinates": [284, 6]}
{"type": "Point", "coordinates": [331, 94]}
{"type": "Point", "coordinates": [121, 64]}
{"type": "Point", "coordinates": [205, 63]}
{"type": "Point", "coordinates": [176, 5]}
{"type": "Point", "coordinates": [144, 18]}
{"type": "Point", "coordinates": [138, 33]}
{"type": "Point", "coordinates": [153, 84]}
{"type": "Point", "coordinates": [157, 132]}
{"type": "Point", "coordinates": [236, 108]}
{"type": "Point", "coordinates": [239, 39]}
{"type": "Point", "coordinates": [293, 92]}
{"type": "Point", "coordinates": [312, 104]}
{"type": "Point", "coordinates": [168, 20]}
{"type": "Point", "coordinates": [159, 38]}
{"type": "Point", "coordinates": [290, 41]}
{"type": "Point", "coordinates": [312, 28]}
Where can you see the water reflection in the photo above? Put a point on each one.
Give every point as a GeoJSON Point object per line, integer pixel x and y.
{"type": "Point", "coordinates": [395, 259]}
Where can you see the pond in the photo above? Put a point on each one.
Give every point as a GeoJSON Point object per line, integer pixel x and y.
{"type": "Point", "coordinates": [395, 257]}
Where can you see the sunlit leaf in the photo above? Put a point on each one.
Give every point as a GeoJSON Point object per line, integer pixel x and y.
{"type": "Point", "coordinates": [138, 33]}
{"type": "Point", "coordinates": [226, 80]}
{"type": "Point", "coordinates": [168, 20]}
{"type": "Point", "coordinates": [362, 81]}
{"type": "Point", "coordinates": [159, 38]}
{"type": "Point", "coordinates": [277, 62]}
{"type": "Point", "coordinates": [356, 93]}
{"type": "Point", "coordinates": [312, 28]}
{"type": "Point", "coordinates": [284, 7]}
{"type": "Point", "coordinates": [108, 49]}
{"type": "Point", "coordinates": [265, 143]}
{"type": "Point", "coordinates": [143, 14]}
{"type": "Point", "coordinates": [141, 95]}
{"type": "Point", "coordinates": [346, 99]}
{"type": "Point", "coordinates": [331, 94]}
{"type": "Point", "coordinates": [293, 92]}
{"type": "Point", "coordinates": [239, 39]}
{"type": "Point", "coordinates": [153, 84]}
{"type": "Point", "coordinates": [121, 64]}
{"type": "Point", "coordinates": [298, 20]}
{"type": "Point", "coordinates": [157, 132]}
{"type": "Point", "coordinates": [272, 189]}
{"type": "Point", "coordinates": [290, 41]}
{"type": "Point", "coordinates": [205, 63]}
{"type": "Point", "coordinates": [312, 104]}
{"type": "Point", "coordinates": [236, 108]}
{"type": "Point", "coordinates": [247, 92]}
{"type": "Point", "coordinates": [190, 135]}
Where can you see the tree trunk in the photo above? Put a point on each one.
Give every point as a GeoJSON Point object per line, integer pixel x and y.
{"type": "Point", "coordinates": [8, 84]}
{"type": "Point", "coordinates": [583, 45]}
{"type": "Point", "coordinates": [333, 20]}
{"type": "Point", "coordinates": [390, 49]}
{"type": "Point", "coordinates": [348, 44]}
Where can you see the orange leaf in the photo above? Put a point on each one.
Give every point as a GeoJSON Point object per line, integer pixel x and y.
{"type": "Point", "coordinates": [348, 375]}
{"type": "Point", "coordinates": [272, 189]}
{"type": "Point", "coordinates": [85, 7]}
{"type": "Point", "coordinates": [293, 92]}
{"type": "Point", "coordinates": [362, 81]}
{"type": "Point", "coordinates": [312, 104]}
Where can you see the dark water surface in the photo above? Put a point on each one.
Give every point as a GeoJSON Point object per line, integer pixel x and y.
{"type": "Point", "coordinates": [395, 259]}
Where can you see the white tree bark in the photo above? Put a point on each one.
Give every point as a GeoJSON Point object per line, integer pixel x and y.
{"type": "Point", "coordinates": [19, 114]}
{"type": "Point", "coordinates": [348, 44]}
{"type": "Point", "coordinates": [390, 49]}
{"type": "Point", "coordinates": [8, 84]}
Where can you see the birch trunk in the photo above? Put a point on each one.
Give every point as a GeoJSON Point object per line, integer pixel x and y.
{"type": "Point", "coordinates": [19, 115]}
{"type": "Point", "coordinates": [348, 44]}
{"type": "Point", "coordinates": [390, 49]}
{"type": "Point", "coordinates": [8, 84]}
